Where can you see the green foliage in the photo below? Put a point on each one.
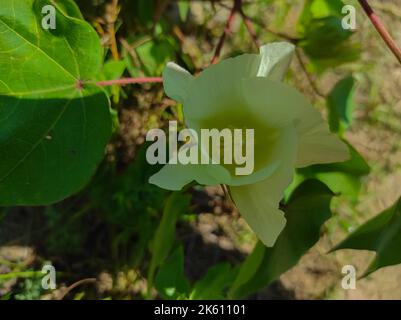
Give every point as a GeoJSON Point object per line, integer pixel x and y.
{"type": "Point", "coordinates": [381, 234]}
{"type": "Point", "coordinates": [113, 69]}
{"type": "Point", "coordinates": [324, 39]}
{"type": "Point", "coordinates": [152, 56]}
{"type": "Point", "coordinates": [53, 132]}
{"type": "Point", "coordinates": [170, 281]}
{"type": "Point", "coordinates": [214, 284]}
{"type": "Point", "coordinates": [306, 211]}
{"type": "Point", "coordinates": [344, 178]}
{"type": "Point", "coordinates": [30, 289]}
{"type": "Point", "coordinates": [341, 104]}
{"type": "Point", "coordinates": [55, 123]}
{"type": "Point", "coordinates": [164, 238]}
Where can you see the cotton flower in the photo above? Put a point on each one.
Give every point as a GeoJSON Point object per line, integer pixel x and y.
{"type": "Point", "coordinates": [247, 92]}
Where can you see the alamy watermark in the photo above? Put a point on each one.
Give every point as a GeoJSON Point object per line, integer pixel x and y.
{"type": "Point", "coordinates": [212, 146]}
{"type": "Point", "coordinates": [348, 282]}
{"type": "Point", "coordinates": [348, 22]}
{"type": "Point", "coordinates": [49, 277]}
{"type": "Point", "coordinates": [49, 20]}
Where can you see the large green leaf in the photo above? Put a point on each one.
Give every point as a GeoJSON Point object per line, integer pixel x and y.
{"type": "Point", "coordinates": [306, 211]}
{"type": "Point", "coordinates": [381, 234]}
{"type": "Point", "coordinates": [53, 128]}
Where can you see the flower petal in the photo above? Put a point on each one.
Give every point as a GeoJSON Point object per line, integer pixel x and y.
{"type": "Point", "coordinates": [218, 88]}
{"type": "Point", "coordinates": [259, 203]}
{"type": "Point", "coordinates": [176, 81]}
{"type": "Point", "coordinates": [275, 60]}
{"type": "Point", "coordinates": [280, 105]}
{"type": "Point", "coordinates": [318, 145]}
{"type": "Point", "coordinates": [176, 176]}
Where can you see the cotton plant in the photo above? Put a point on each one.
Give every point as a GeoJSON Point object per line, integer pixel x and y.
{"type": "Point", "coordinates": [247, 92]}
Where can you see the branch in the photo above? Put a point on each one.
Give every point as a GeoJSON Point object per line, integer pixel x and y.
{"type": "Point", "coordinates": [74, 285]}
{"type": "Point", "coordinates": [249, 25]}
{"type": "Point", "coordinates": [236, 7]}
{"type": "Point", "coordinates": [251, 21]}
{"type": "Point", "coordinates": [308, 75]}
{"type": "Point", "coordinates": [381, 29]}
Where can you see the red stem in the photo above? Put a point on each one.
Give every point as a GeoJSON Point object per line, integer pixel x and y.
{"type": "Point", "coordinates": [249, 25]}
{"type": "Point", "coordinates": [124, 81]}
{"type": "Point", "coordinates": [227, 29]}
{"type": "Point", "coordinates": [381, 29]}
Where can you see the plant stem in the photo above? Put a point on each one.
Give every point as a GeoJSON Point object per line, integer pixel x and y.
{"type": "Point", "coordinates": [236, 7]}
{"type": "Point", "coordinates": [381, 29]}
{"type": "Point", "coordinates": [124, 81]}
{"type": "Point", "coordinates": [308, 75]}
{"type": "Point", "coordinates": [249, 25]}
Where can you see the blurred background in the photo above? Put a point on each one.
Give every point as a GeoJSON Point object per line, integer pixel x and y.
{"type": "Point", "coordinates": [106, 233]}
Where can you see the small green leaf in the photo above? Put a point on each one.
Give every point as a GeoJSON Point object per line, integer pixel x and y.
{"type": "Point", "coordinates": [324, 39]}
{"type": "Point", "coordinates": [343, 177]}
{"type": "Point", "coordinates": [341, 104]}
{"type": "Point", "coordinates": [113, 69]}
{"type": "Point", "coordinates": [214, 284]}
{"type": "Point", "coordinates": [306, 211]}
{"type": "Point", "coordinates": [183, 9]}
{"type": "Point", "coordinates": [176, 205]}
{"type": "Point", "coordinates": [381, 234]}
{"type": "Point", "coordinates": [170, 281]}
{"type": "Point", "coordinates": [249, 267]}
{"type": "Point", "coordinates": [155, 54]}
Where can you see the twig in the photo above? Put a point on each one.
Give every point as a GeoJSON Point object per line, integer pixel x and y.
{"type": "Point", "coordinates": [308, 76]}
{"type": "Point", "coordinates": [381, 29]}
{"type": "Point", "coordinates": [135, 58]}
{"type": "Point", "coordinates": [260, 24]}
{"type": "Point", "coordinates": [249, 25]}
{"type": "Point", "coordinates": [111, 17]}
{"type": "Point", "coordinates": [125, 81]}
{"type": "Point", "coordinates": [74, 285]}
{"type": "Point", "coordinates": [227, 29]}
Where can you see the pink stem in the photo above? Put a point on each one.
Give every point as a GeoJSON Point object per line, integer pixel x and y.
{"type": "Point", "coordinates": [227, 30]}
{"type": "Point", "coordinates": [381, 29]}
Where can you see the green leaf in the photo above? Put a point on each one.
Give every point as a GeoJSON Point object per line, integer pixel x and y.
{"type": "Point", "coordinates": [70, 8]}
{"type": "Point", "coordinates": [249, 268]}
{"type": "Point", "coordinates": [155, 54]}
{"type": "Point", "coordinates": [113, 69]}
{"type": "Point", "coordinates": [341, 104]}
{"type": "Point", "coordinates": [183, 9]}
{"type": "Point", "coordinates": [328, 45]}
{"type": "Point", "coordinates": [325, 41]}
{"type": "Point", "coordinates": [381, 234]}
{"type": "Point", "coordinates": [170, 281]}
{"type": "Point", "coordinates": [53, 131]}
{"type": "Point", "coordinates": [343, 177]}
{"type": "Point", "coordinates": [306, 211]}
{"type": "Point", "coordinates": [177, 204]}
{"type": "Point", "coordinates": [214, 284]}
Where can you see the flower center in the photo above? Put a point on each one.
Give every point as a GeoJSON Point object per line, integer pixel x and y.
{"type": "Point", "coordinates": [263, 139]}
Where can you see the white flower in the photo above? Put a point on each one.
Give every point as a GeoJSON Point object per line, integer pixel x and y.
{"type": "Point", "coordinates": [247, 92]}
